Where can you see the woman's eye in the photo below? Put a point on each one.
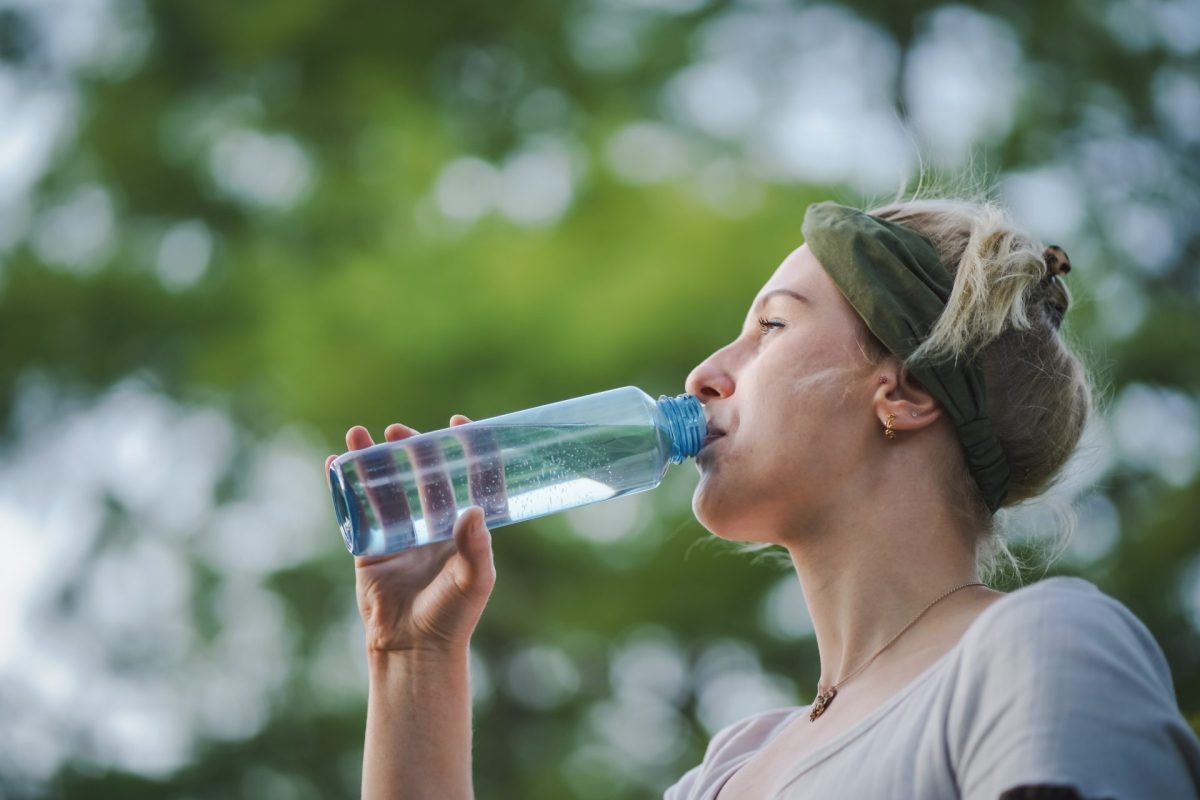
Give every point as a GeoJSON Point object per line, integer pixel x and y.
{"type": "Point", "coordinates": [765, 325]}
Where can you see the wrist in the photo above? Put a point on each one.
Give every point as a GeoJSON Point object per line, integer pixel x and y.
{"type": "Point", "coordinates": [418, 739]}
{"type": "Point", "coordinates": [436, 660]}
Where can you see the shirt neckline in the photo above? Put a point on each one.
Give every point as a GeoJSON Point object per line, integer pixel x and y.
{"type": "Point", "coordinates": [856, 730]}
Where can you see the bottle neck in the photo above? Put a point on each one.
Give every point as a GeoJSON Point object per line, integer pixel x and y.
{"type": "Point", "coordinates": [686, 425]}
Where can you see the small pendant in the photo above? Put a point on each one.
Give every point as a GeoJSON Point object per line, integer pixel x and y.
{"type": "Point", "coordinates": [821, 703]}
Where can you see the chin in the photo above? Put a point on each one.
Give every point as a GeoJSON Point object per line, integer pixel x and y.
{"type": "Point", "coordinates": [752, 511]}
{"type": "Point", "coordinates": [723, 520]}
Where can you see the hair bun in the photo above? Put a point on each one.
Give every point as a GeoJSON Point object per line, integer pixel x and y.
{"type": "Point", "coordinates": [1058, 299]}
{"type": "Point", "coordinates": [1057, 261]}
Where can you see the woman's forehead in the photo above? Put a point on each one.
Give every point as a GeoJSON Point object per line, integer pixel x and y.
{"type": "Point", "coordinates": [801, 273]}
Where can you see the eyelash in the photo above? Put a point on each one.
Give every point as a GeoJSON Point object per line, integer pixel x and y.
{"type": "Point", "coordinates": [767, 325]}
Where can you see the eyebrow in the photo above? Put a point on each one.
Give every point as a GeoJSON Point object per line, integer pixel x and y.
{"type": "Point", "coordinates": [762, 301]}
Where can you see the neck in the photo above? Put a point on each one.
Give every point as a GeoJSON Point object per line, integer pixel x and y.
{"type": "Point", "coordinates": [868, 575]}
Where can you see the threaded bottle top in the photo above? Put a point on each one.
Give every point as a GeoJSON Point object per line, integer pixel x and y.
{"type": "Point", "coordinates": [685, 423]}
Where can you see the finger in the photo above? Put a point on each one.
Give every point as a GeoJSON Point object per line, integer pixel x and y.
{"type": "Point", "coordinates": [438, 505]}
{"type": "Point", "coordinates": [459, 419]}
{"type": "Point", "coordinates": [358, 437]}
{"type": "Point", "coordinates": [485, 472]}
{"type": "Point", "coordinates": [473, 541]}
{"type": "Point", "coordinates": [396, 431]}
{"type": "Point", "coordinates": [381, 493]}
{"type": "Point", "coordinates": [384, 494]}
{"type": "Point", "coordinates": [328, 461]}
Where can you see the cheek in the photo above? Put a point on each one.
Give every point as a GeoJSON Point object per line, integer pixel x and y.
{"type": "Point", "coordinates": [773, 403]}
{"type": "Point", "coordinates": [792, 424]}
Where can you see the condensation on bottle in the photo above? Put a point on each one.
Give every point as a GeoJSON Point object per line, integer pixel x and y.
{"type": "Point", "coordinates": [397, 495]}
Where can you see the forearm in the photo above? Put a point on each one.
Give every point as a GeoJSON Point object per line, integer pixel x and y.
{"type": "Point", "coordinates": [418, 741]}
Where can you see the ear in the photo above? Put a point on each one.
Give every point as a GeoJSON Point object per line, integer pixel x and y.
{"type": "Point", "coordinates": [901, 394]}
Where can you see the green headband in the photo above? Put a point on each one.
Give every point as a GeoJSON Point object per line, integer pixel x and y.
{"type": "Point", "coordinates": [895, 280]}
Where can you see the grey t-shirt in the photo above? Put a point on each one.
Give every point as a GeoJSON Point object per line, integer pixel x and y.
{"type": "Point", "coordinates": [1056, 684]}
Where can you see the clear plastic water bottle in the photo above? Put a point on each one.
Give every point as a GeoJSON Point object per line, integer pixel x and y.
{"type": "Point", "coordinates": [397, 495]}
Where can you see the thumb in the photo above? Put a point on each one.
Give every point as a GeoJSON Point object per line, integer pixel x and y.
{"type": "Point", "coordinates": [474, 543]}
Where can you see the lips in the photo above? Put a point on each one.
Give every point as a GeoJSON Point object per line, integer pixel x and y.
{"type": "Point", "coordinates": [713, 435]}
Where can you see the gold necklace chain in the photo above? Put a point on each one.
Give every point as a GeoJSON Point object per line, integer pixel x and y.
{"type": "Point", "coordinates": [825, 697]}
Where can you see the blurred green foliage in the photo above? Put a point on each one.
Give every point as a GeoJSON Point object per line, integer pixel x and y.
{"type": "Point", "coordinates": [347, 295]}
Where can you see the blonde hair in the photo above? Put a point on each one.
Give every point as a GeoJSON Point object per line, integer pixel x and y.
{"type": "Point", "coordinates": [1005, 308]}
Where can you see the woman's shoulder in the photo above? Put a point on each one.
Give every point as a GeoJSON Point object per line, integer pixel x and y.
{"type": "Point", "coordinates": [1061, 628]}
{"type": "Point", "coordinates": [1060, 589]}
{"type": "Point", "coordinates": [1061, 620]}
{"type": "Point", "coordinates": [1060, 683]}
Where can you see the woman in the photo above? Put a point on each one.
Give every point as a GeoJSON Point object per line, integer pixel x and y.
{"type": "Point", "coordinates": [898, 379]}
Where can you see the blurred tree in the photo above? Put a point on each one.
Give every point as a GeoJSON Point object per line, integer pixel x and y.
{"type": "Point", "coordinates": [229, 231]}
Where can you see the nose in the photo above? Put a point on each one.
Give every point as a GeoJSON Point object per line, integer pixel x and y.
{"type": "Point", "coordinates": [708, 381]}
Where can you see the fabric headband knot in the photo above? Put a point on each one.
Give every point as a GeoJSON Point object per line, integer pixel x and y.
{"type": "Point", "coordinates": [895, 280]}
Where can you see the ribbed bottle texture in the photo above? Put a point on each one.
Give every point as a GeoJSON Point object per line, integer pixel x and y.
{"type": "Point", "coordinates": [518, 466]}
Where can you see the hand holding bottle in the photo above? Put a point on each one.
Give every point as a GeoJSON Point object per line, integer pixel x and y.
{"type": "Point", "coordinates": [427, 599]}
{"type": "Point", "coordinates": [425, 570]}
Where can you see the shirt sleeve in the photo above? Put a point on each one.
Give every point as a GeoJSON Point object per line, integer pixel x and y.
{"type": "Point", "coordinates": [1067, 687]}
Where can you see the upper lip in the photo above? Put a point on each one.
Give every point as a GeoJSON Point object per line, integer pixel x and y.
{"type": "Point", "coordinates": [713, 432]}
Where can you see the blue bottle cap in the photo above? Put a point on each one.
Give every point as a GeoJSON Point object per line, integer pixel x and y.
{"type": "Point", "coordinates": [687, 425]}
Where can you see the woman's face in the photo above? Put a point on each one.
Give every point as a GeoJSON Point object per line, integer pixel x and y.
{"type": "Point", "coordinates": [794, 398]}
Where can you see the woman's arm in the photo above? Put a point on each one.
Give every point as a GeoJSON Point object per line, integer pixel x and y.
{"type": "Point", "coordinates": [419, 608]}
{"type": "Point", "coordinates": [418, 742]}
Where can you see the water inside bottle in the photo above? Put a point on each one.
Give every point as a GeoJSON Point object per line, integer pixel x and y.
{"type": "Point", "coordinates": [400, 497]}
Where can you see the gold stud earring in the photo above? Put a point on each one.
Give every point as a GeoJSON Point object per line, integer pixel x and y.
{"type": "Point", "coordinates": [887, 428]}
